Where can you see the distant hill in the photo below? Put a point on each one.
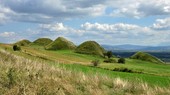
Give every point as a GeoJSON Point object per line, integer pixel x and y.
{"type": "Point", "coordinates": [61, 44]}
{"type": "Point", "coordinates": [128, 47]}
{"type": "Point", "coordinates": [23, 42]}
{"type": "Point", "coordinates": [42, 41]}
{"type": "Point", "coordinates": [90, 47]}
{"type": "Point", "coordinates": [146, 57]}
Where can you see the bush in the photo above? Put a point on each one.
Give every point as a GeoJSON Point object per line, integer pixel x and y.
{"type": "Point", "coordinates": [121, 60]}
{"type": "Point", "coordinates": [16, 48]}
{"type": "Point", "coordinates": [95, 62]}
{"type": "Point", "coordinates": [109, 54]}
{"type": "Point", "coordinates": [123, 70]}
{"type": "Point", "coordinates": [110, 60]}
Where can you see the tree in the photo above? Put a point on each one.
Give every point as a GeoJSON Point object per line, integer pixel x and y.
{"type": "Point", "coordinates": [109, 54]}
{"type": "Point", "coordinates": [16, 48]}
{"type": "Point", "coordinates": [121, 60]}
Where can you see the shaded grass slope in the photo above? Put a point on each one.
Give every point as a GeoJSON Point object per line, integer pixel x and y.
{"type": "Point", "coordinates": [42, 41]}
{"type": "Point", "coordinates": [146, 57]}
{"type": "Point", "coordinates": [61, 44]}
{"type": "Point", "coordinates": [90, 47]}
{"type": "Point", "coordinates": [23, 42]}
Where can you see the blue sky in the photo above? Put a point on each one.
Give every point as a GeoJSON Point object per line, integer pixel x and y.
{"type": "Point", "coordinates": [112, 22]}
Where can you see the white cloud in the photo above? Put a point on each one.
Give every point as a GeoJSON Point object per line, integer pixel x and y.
{"type": "Point", "coordinates": [58, 27]}
{"type": "Point", "coordinates": [7, 34]}
{"type": "Point", "coordinates": [119, 33]}
{"type": "Point", "coordinates": [141, 8]}
{"type": "Point", "coordinates": [4, 14]}
{"type": "Point", "coordinates": [121, 29]}
{"type": "Point", "coordinates": [162, 24]}
{"type": "Point", "coordinates": [43, 11]}
{"type": "Point", "coordinates": [52, 10]}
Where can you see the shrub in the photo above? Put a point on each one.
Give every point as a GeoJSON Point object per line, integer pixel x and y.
{"type": "Point", "coordinates": [110, 60]}
{"type": "Point", "coordinates": [109, 54]}
{"type": "Point", "coordinates": [121, 60]}
{"type": "Point", "coordinates": [123, 70]}
{"type": "Point", "coordinates": [16, 48]}
{"type": "Point", "coordinates": [95, 62]}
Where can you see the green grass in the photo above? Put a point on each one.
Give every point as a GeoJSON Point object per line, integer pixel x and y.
{"type": "Point", "coordinates": [42, 41]}
{"type": "Point", "coordinates": [141, 66]}
{"type": "Point", "coordinates": [146, 57]}
{"type": "Point", "coordinates": [90, 47]}
{"type": "Point", "coordinates": [154, 74]}
{"type": "Point", "coordinates": [150, 79]}
{"type": "Point", "coordinates": [22, 76]}
{"type": "Point", "coordinates": [61, 44]}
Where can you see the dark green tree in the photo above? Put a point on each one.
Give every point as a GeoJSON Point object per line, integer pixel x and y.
{"type": "Point", "coordinates": [121, 60]}
{"type": "Point", "coordinates": [16, 48]}
{"type": "Point", "coordinates": [109, 54]}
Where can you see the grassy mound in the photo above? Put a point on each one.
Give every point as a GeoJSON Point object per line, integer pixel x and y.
{"type": "Point", "coordinates": [146, 57]}
{"type": "Point", "coordinates": [61, 44]}
{"type": "Point", "coordinates": [42, 41]}
{"type": "Point", "coordinates": [23, 42]}
{"type": "Point", "coordinates": [90, 47]}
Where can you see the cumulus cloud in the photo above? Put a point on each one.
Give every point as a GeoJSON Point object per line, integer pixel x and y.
{"type": "Point", "coordinates": [142, 8]}
{"type": "Point", "coordinates": [117, 29]}
{"type": "Point", "coordinates": [50, 10]}
{"type": "Point", "coordinates": [162, 24]}
{"type": "Point", "coordinates": [54, 27]}
{"type": "Point", "coordinates": [4, 14]}
{"type": "Point", "coordinates": [43, 11]}
{"type": "Point", "coordinates": [119, 33]}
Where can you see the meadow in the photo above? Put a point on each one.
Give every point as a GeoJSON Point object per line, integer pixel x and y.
{"type": "Point", "coordinates": [151, 73]}
{"type": "Point", "coordinates": [20, 75]}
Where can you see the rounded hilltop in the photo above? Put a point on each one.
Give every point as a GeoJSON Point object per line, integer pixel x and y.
{"type": "Point", "coordinates": [90, 47]}
{"type": "Point", "coordinates": [42, 41]}
{"type": "Point", "coordinates": [61, 44]}
{"type": "Point", "coordinates": [23, 42]}
{"type": "Point", "coordinates": [146, 57]}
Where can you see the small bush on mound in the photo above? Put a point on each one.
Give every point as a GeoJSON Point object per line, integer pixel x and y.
{"type": "Point", "coordinates": [95, 62]}
{"type": "Point", "coordinates": [110, 60]}
{"type": "Point", "coordinates": [121, 60]}
{"type": "Point", "coordinates": [16, 48]}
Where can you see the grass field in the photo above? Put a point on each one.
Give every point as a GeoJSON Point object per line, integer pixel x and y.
{"type": "Point", "coordinates": [153, 74]}
{"type": "Point", "coordinates": [22, 76]}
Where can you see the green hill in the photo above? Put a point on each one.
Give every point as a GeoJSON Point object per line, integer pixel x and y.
{"type": "Point", "coordinates": [61, 44]}
{"type": "Point", "coordinates": [23, 42]}
{"type": "Point", "coordinates": [90, 47]}
{"type": "Point", "coordinates": [146, 57]}
{"type": "Point", "coordinates": [42, 41]}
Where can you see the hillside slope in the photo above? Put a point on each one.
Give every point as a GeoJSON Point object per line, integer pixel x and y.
{"type": "Point", "coordinates": [23, 42]}
{"type": "Point", "coordinates": [33, 77]}
{"type": "Point", "coordinates": [146, 57]}
{"type": "Point", "coordinates": [42, 41]}
{"type": "Point", "coordinates": [61, 44]}
{"type": "Point", "coordinates": [90, 47]}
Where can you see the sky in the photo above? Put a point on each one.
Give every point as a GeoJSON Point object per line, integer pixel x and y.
{"type": "Point", "coordinates": [109, 22]}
